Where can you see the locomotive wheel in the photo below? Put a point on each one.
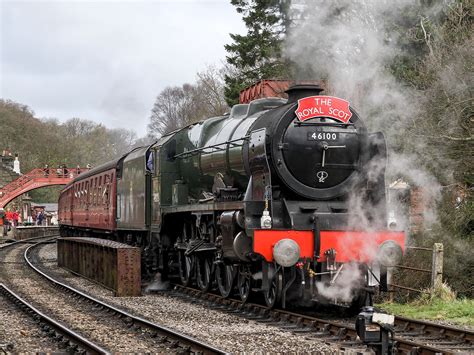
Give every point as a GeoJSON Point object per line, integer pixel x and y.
{"type": "Point", "coordinates": [244, 282]}
{"type": "Point", "coordinates": [203, 273]}
{"type": "Point", "coordinates": [225, 276]}
{"type": "Point", "coordinates": [273, 294]}
{"type": "Point", "coordinates": [185, 268]}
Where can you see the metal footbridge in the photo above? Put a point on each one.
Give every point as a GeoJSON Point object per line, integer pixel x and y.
{"type": "Point", "coordinates": [36, 179]}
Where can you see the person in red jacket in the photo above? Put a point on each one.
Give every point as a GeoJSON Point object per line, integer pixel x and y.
{"type": "Point", "coordinates": [9, 217]}
{"type": "Point", "coordinates": [15, 218]}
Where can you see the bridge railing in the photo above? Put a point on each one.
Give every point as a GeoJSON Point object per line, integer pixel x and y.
{"type": "Point", "coordinates": [41, 173]}
{"type": "Point", "coordinates": [57, 172]}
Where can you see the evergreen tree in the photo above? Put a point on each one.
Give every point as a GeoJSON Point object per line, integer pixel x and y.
{"type": "Point", "coordinates": [257, 55]}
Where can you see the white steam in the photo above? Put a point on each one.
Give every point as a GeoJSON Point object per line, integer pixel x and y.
{"type": "Point", "coordinates": [346, 43]}
{"type": "Point", "coordinates": [350, 45]}
{"type": "Point", "coordinates": [343, 286]}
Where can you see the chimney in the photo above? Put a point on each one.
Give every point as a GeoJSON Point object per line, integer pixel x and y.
{"type": "Point", "coordinates": [297, 92]}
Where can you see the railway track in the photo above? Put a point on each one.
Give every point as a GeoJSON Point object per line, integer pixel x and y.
{"type": "Point", "coordinates": [112, 319]}
{"type": "Point", "coordinates": [169, 337]}
{"type": "Point", "coordinates": [68, 339]}
{"type": "Point", "coordinates": [411, 336]}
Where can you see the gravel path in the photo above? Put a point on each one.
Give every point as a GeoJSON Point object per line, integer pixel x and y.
{"type": "Point", "coordinates": [105, 330]}
{"type": "Point", "coordinates": [222, 330]}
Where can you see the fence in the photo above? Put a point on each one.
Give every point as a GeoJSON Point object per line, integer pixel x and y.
{"type": "Point", "coordinates": [436, 270]}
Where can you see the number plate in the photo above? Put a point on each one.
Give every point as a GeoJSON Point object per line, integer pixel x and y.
{"type": "Point", "coordinates": [323, 136]}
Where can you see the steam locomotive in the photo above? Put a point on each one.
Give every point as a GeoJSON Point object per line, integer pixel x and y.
{"type": "Point", "coordinates": [268, 200]}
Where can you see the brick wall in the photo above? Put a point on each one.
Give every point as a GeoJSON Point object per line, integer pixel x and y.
{"type": "Point", "coordinates": [417, 207]}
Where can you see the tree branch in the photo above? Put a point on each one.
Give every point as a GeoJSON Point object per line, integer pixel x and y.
{"type": "Point", "coordinates": [457, 139]}
{"type": "Point", "coordinates": [427, 39]}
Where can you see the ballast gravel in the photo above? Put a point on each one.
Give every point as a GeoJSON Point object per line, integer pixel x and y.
{"type": "Point", "coordinates": [19, 333]}
{"type": "Point", "coordinates": [108, 332]}
{"type": "Point", "coordinates": [219, 329]}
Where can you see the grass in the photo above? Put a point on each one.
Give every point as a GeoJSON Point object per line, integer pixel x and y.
{"type": "Point", "coordinates": [460, 312]}
{"type": "Point", "coordinates": [443, 305]}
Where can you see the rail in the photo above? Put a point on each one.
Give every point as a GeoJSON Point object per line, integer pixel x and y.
{"type": "Point", "coordinates": [189, 344]}
{"type": "Point", "coordinates": [213, 148]}
{"type": "Point", "coordinates": [411, 336]}
{"type": "Point", "coordinates": [68, 335]}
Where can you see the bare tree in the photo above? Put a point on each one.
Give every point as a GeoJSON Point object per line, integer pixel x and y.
{"type": "Point", "coordinates": [167, 113]}
{"type": "Point", "coordinates": [176, 107]}
{"type": "Point", "coordinates": [120, 141]}
{"type": "Point", "coordinates": [211, 87]}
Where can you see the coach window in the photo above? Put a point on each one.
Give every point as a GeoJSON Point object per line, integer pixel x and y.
{"type": "Point", "coordinates": [82, 194]}
{"type": "Point", "coordinates": [91, 192]}
{"type": "Point", "coordinates": [119, 206]}
{"type": "Point", "coordinates": [171, 150]}
{"type": "Point", "coordinates": [96, 190]}
{"type": "Point", "coordinates": [106, 195]}
{"type": "Point", "coordinates": [150, 163]}
{"type": "Point", "coordinates": [87, 193]}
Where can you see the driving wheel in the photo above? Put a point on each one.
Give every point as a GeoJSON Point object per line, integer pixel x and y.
{"type": "Point", "coordinates": [203, 273]}
{"type": "Point", "coordinates": [273, 294]}
{"type": "Point", "coordinates": [244, 282]}
{"type": "Point", "coordinates": [185, 268]}
{"type": "Point", "coordinates": [225, 276]}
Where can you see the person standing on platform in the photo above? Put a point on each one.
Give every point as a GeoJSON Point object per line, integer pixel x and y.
{"type": "Point", "coordinates": [15, 218]}
{"type": "Point", "coordinates": [9, 218]}
{"type": "Point", "coordinates": [3, 225]}
{"type": "Point", "coordinates": [39, 218]}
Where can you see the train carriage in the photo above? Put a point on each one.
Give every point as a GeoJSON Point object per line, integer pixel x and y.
{"type": "Point", "coordinates": [89, 202]}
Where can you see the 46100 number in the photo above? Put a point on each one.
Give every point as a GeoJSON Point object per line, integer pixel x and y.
{"type": "Point", "coordinates": [317, 136]}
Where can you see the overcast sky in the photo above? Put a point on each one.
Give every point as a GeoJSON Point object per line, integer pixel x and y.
{"type": "Point", "coordinates": [107, 60]}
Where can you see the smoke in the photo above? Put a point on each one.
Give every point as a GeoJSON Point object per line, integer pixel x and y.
{"type": "Point", "coordinates": [350, 44]}
{"type": "Point", "coordinates": [157, 284]}
{"type": "Point", "coordinates": [343, 286]}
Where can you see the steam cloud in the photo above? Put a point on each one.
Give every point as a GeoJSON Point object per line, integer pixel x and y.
{"type": "Point", "coordinates": [348, 279]}
{"type": "Point", "coordinates": [348, 44]}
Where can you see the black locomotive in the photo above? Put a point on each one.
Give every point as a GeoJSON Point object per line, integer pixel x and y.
{"type": "Point", "coordinates": [259, 201]}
